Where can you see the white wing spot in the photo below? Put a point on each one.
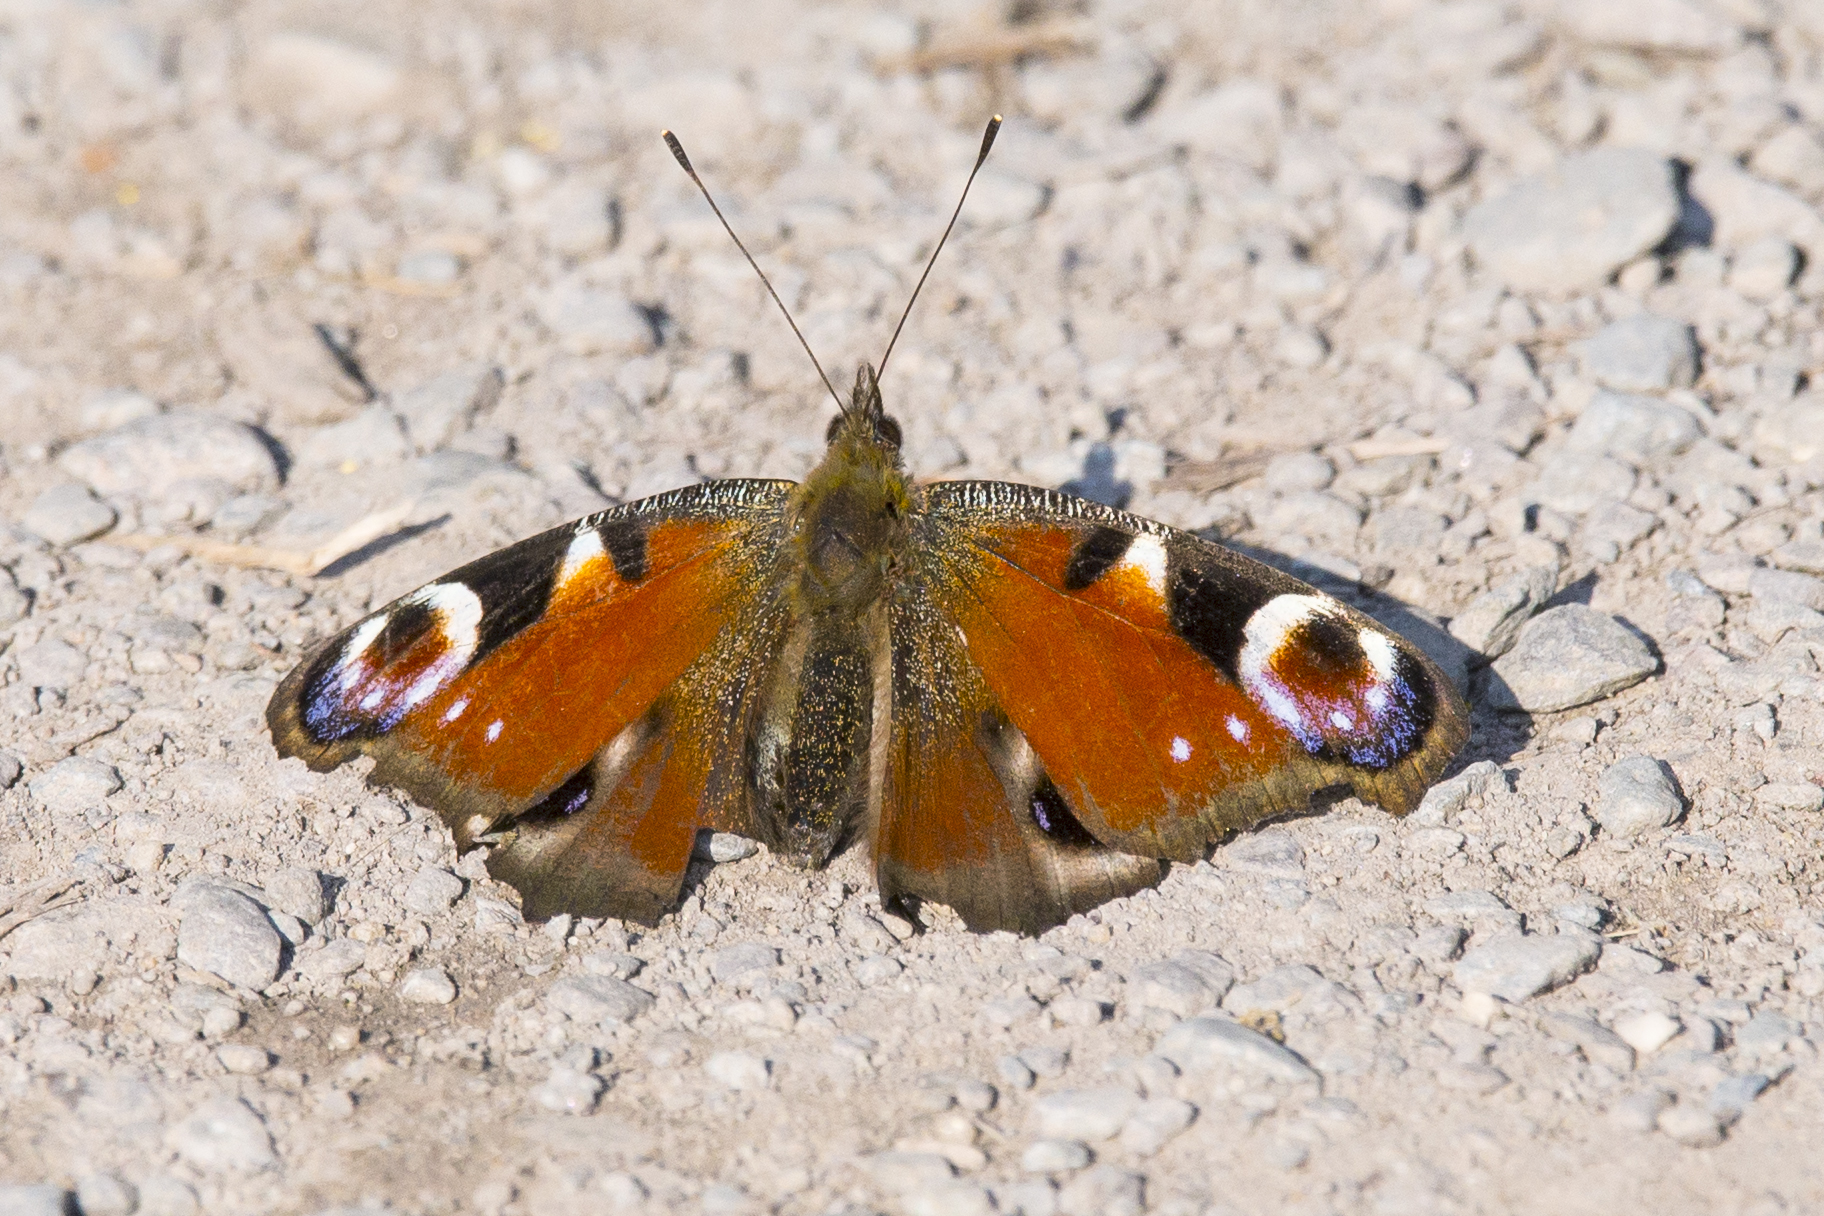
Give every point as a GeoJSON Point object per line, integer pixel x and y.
{"type": "Point", "coordinates": [1238, 729]}
{"type": "Point", "coordinates": [1267, 630]}
{"type": "Point", "coordinates": [494, 729]}
{"type": "Point", "coordinates": [1181, 749]}
{"type": "Point", "coordinates": [584, 549]}
{"type": "Point", "coordinates": [1147, 555]}
{"type": "Point", "coordinates": [373, 698]}
{"type": "Point", "coordinates": [1380, 652]}
{"type": "Point", "coordinates": [1341, 720]}
{"type": "Point", "coordinates": [458, 612]}
{"type": "Point", "coordinates": [455, 711]}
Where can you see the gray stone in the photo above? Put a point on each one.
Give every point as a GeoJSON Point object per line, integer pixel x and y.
{"type": "Point", "coordinates": [66, 514]}
{"type": "Point", "coordinates": [1787, 587]}
{"type": "Point", "coordinates": [15, 603]}
{"type": "Point", "coordinates": [57, 947]}
{"type": "Point", "coordinates": [224, 1136]}
{"type": "Point", "coordinates": [1103, 1190]}
{"type": "Point", "coordinates": [1209, 1043]}
{"type": "Point", "coordinates": [32, 1199]}
{"type": "Point", "coordinates": [114, 407]}
{"type": "Point", "coordinates": [1270, 852]}
{"type": "Point", "coordinates": [1637, 795]}
{"type": "Point", "coordinates": [75, 784]}
{"type": "Point", "coordinates": [1677, 27]}
{"type": "Point", "coordinates": [51, 664]}
{"type": "Point", "coordinates": [1732, 1098]}
{"type": "Point", "coordinates": [590, 321]}
{"type": "Point", "coordinates": [1481, 910]}
{"type": "Point", "coordinates": [243, 1059]}
{"type": "Point", "coordinates": [1575, 481]}
{"type": "Point", "coordinates": [427, 986]}
{"type": "Point", "coordinates": [598, 999]}
{"type": "Point", "coordinates": [1691, 1126]}
{"type": "Point", "coordinates": [1083, 1114]}
{"type": "Point", "coordinates": [11, 769]}
{"type": "Point", "coordinates": [432, 891]}
{"type": "Point", "coordinates": [1182, 985]}
{"type": "Point", "coordinates": [429, 268]}
{"type": "Point", "coordinates": [1491, 621]}
{"type": "Point", "coordinates": [148, 456]}
{"type": "Point", "coordinates": [1763, 269]}
{"type": "Point", "coordinates": [1639, 430]}
{"type": "Point", "coordinates": [1804, 556]}
{"type": "Point", "coordinates": [338, 958]}
{"type": "Point", "coordinates": [1517, 967]}
{"type": "Point", "coordinates": [569, 1091]}
{"type": "Point", "coordinates": [1644, 353]}
{"type": "Point", "coordinates": [732, 964]}
{"type": "Point", "coordinates": [376, 435]}
{"type": "Point", "coordinates": [225, 933]}
{"type": "Point", "coordinates": [441, 408]}
{"type": "Point", "coordinates": [1767, 1032]}
{"type": "Point", "coordinates": [105, 1195]}
{"type": "Point", "coordinates": [299, 892]}
{"type": "Point", "coordinates": [1612, 528]}
{"type": "Point", "coordinates": [1791, 795]}
{"type": "Point", "coordinates": [723, 848]}
{"type": "Point", "coordinates": [1568, 656]}
{"type": "Point", "coordinates": [1298, 472]}
{"type": "Point", "coordinates": [1154, 1123]}
{"type": "Point", "coordinates": [1054, 1156]}
{"type": "Point", "coordinates": [739, 1070]}
{"type": "Point", "coordinates": [1599, 1044]}
{"type": "Point", "coordinates": [1572, 226]}
{"type": "Point", "coordinates": [1443, 800]}
{"type": "Point", "coordinates": [163, 1195]}
{"type": "Point", "coordinates": [1793, 157]}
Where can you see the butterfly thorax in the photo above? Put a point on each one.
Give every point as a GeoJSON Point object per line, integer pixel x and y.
{"type": "Point", "coordinates": [847, 520]}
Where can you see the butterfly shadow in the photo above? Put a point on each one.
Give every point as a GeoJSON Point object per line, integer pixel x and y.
{"type": "Point", "coordinates": [374, 548]}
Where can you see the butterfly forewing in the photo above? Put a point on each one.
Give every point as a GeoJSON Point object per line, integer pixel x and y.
{"type": "Point", "coordinates": [1174, 689]}
{"type": "Point", "coordinates": [492, 693]}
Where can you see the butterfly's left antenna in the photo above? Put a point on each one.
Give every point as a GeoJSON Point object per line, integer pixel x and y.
{"type": "Point", "coordinates": [994, 128]}
{"type": "Point", "coordinates": [677, 150]}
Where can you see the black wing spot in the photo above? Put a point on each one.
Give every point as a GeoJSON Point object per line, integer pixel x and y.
{"type": "Point", "coordinates": [1333, 644]}
{"type": "Point", "coordinates": [405, 624]}
{"type": "Point", "coordinates": [564, 801]}
{"type": "Point", "coordinates": [1095, 555]}
{"type": "Point", "coordinates": [1053, 816]}
{"type": "Point", "coordinates": [514, 587]}
{"type": "Point", "coordinates": [1211, 611]}
{"type": "Point", "coordinates": [625, 540]}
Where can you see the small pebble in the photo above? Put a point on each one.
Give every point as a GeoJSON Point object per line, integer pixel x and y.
{"type": "Point", "coordinates": [1765, 268]}
{"type": "Point", "coordinates": [1569, 656]}
{"type": "Point", "coordinates": [225, 933]}
{"type": "Point", "coordinates": [1516, 967]}
{"type": "Point", "coordinates": [1637, 795]}
{"type": "Point", "coordinates": [223, 1136]}
{"type": "Point", "coordinates": [1490, 622]}
{"type": "Point", "coordinates": [723, 848]}
{"type": "Point", "coordinates": [1103, 1190]}
{"type": "Point", "coordinates": [738, 1070]}
{"type": "Point", "coordinates": [1647, 1032]}
{"type": "Point", "coordinates": [1054, 1156]}
{"type": "Point", "coordinates": [1015, 1072]}
{"type": "Point", "coordinates": [149, 456]}
{"type": "Point", "coordinates": [299, 892]}
{"type": "Point", "coordinates": [1572, 226]}
{"type": "Point", "coordinates": [75, 784]}
{"type": "Point", "coordinates": [1083, 1114]}
{"type": "Point", "coordinates": [345, 1038]}
{"type": "Point", "coordinates": [1154, 1123]}
{"type": "Point", "coordinates": [104, 1195]}
{"type": "Point", "coordinates": [1218, 1044]}
{"type": "Point", "coordinates": [66, 514]}
{"type": "Point", "coordinates": [1644, 353]}
{"type": "Point", "coordinates": [598, 999]}
{"type": "Point", "coordinates": [432, 891]}
{"type": "Point", "coordinates": [1691, 1126]}
{"type": "Point", "coordinates": [32, 1199]}
{"type": "Point", "coordinates": [569, 1091]}
{"type": "Point", "coordinates": [1791, 795]}
{"type": "Point", "coordinates": [742, 963]}
{"type": "Point", "coordinates": [427, 986]}
{"type": "Point", "coordinates": [243, 1058]}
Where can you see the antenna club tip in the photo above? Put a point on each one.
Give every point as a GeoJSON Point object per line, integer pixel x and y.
{"type": "Point", "coordinates": [677, 150]}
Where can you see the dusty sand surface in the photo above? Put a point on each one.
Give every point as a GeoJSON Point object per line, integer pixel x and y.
{"type": "Point", "coordinates": [1468, 309]}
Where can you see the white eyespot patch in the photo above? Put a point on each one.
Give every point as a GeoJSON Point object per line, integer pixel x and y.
{"type": "Point", "coordinates": [585, 548]}
{"type": "Point", "coordinates": [1146, 554]}
{"type": "Point", "coordinates": [1181, 749]}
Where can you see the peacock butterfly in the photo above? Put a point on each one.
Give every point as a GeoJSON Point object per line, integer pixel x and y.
{"type": "Point", "coordinates": [1024, 702]}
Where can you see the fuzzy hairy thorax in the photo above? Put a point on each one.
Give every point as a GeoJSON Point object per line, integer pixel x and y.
{"type": "Point", "coordinates": [847, 520]}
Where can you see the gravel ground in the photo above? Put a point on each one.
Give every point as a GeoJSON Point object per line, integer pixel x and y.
{"type": "Point", "coordinates": [1501, 319]}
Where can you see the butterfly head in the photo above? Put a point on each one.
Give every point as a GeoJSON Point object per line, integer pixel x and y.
{"type": "Point", "coordinates": [864, 419]}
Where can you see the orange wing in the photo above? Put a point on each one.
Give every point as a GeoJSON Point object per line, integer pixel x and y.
{"type": "Point", "coordinates": [1176, 690]}
{"type": "Point", "coordinates": [567, 699]}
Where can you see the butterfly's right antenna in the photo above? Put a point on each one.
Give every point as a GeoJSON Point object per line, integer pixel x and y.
{"type": "Point", "coordinates": [994, 127]}
{"type": "Point", "coordinates": [677, 150]}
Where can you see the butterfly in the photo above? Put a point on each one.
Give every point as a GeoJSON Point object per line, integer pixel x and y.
{"type": "Point", "coordinates": [1023, 703]}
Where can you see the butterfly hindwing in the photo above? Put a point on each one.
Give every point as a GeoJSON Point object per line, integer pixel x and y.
{"type": "Point", "coordinates": [565, 681]}
{"type": "Point", "coordinates": [1174, 689]}
{"type": "Point", "coordinates": [967, 814]}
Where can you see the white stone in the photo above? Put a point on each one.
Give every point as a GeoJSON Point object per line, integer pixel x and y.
{"type": "Point", "coordinates": [569, 1091]}
{"type": "Point", "coordinates": [427, 986]}
{"type": "Point", "coordinates": [1644, 353]}
{"type": "Point", "coordinates": [1636, 795]}
{"type": "Point", "coordinates": [598, 999]}
{"type": "Point", "coordinates": [432, 891]}
{"type": "Point", "coordinates": [1054, 1156]}
{"type": "Point", "coordinates": [1154, 1123]}
{"type": "Point", "coordinates": [1515, 967]}
{"type": "Point", "coordinates": [1571, 227]}
{"type": "Point", "coordinates": [1209, 1043]}
{"type": "Point", "coordinates": [224, 1135]}
{"type": "Point", "coordinates": [1083, 1114]}
{"type": "Point", "coordinates": [1647, 1032]}
{"type": "Point", "coordinates": [1569, 656]}
{"type": "Point", "coordinates": [75, 784]}
{"type": "Point", "coordinates": [149, 456]}
{"type": "Point", "coordinates": [66, 514]}
{"type": "Point", "coordinates": [225, 933]}
{"type": "Point", "coordinates": [738, 1070]}
{"type": "Point", "coordinates": [243, 1059]}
